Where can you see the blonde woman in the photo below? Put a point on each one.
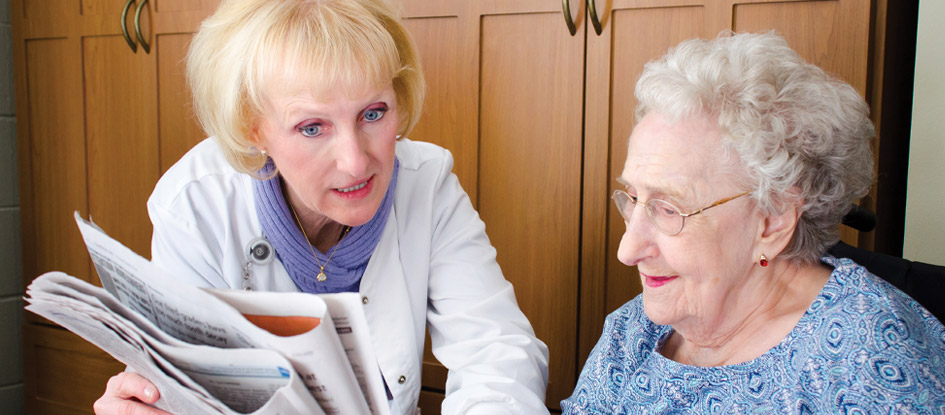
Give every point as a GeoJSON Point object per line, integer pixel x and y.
{"type": "Point", "coordinates": [307, 184]}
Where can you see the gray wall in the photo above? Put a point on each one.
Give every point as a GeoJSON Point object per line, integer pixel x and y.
{"type": "Point", "coordinates": [11, 270]}
{"type": "Point", "coordinates": [925, 221]}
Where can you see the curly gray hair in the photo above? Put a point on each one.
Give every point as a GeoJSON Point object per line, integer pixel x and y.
{"type": "Point", "coordinates": [801, 134]}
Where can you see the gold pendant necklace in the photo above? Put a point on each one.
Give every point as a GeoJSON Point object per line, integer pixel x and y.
{"type": "Point", "coordinates": [321, 277]}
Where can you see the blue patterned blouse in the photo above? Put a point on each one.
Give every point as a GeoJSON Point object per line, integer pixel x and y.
{"type": "Point", "coordinates": [863, 347]}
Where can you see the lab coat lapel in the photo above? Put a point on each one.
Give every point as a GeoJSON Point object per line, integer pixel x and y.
{"type": "Point", "coordinates": [384, 290]}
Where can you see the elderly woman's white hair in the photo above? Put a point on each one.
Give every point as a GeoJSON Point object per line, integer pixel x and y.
{"type": "Point", "coordinates": [800, 133]}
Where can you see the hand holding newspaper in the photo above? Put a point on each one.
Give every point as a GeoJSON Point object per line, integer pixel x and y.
{"type": "Point", "coordinates": [218, 351]}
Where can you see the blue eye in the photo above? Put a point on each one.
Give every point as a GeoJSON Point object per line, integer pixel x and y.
{"type": "Point", "coordinates": [311, 130]}
{"type": "Point", "coordinates": [373, 115]}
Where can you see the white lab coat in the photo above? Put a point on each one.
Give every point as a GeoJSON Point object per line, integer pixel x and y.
{"type": "Point", "coordinates": [433, 265]}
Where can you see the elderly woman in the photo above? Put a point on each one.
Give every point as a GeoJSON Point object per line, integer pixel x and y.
{"type": "Point", "coordinates": [742, 163]}
{"type": "Point", "coordinates": [308, 185]}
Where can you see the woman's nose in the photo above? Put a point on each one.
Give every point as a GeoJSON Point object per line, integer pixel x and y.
{"type": "Point", "coordinates": [637, 244]}
{"type": "Point", "coordinates": [351, 155]}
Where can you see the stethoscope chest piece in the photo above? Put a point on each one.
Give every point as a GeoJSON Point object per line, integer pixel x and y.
{"type": "Point", "coordinates": [260, 251]}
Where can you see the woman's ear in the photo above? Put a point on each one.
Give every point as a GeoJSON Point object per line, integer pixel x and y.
{"type": "Point", "coordinates": [779, 228]}
{"type": "Point", "coordinates": [256, 138]}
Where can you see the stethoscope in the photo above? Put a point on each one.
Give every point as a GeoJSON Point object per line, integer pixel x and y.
{"type": "Point", "coordinates": [258, 252]}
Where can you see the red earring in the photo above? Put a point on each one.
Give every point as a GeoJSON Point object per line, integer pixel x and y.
{"type": "Point", "coordinates": [764, 260]}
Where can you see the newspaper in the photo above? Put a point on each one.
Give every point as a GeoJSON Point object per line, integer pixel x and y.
{"type": "Point", "coordinates": [218, 351]}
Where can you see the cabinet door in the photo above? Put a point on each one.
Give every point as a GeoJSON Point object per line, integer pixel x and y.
{"type": "Point", "coordinates": [63, 373]}
{"type": "Point", "coordinates": [98, 124]}
{"type": "Point", "coordinates": [99, 121]}
{"type": "Point", "coordinates": [633, 34]}
{"type": "Point", "coordinates": [505, 95]}
{"type": "Point", "coordinates": [831, 34]}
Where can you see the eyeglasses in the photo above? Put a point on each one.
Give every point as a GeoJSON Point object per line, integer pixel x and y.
{"type": "Point", "coordinates": [666, 217]}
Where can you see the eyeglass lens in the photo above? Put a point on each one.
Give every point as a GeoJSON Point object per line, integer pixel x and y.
{"type": "Point", "coordinates": [663, 215]}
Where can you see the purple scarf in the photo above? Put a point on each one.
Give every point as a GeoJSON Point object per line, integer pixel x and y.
{"type": "Point", "coordinates": [350, 256]}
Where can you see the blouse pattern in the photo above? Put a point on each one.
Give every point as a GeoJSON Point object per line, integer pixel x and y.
{"type": "Point", "coordinates": [862, 347]}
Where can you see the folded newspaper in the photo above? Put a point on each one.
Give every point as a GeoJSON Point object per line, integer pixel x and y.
{"type": "Point", "coordinates": [215, 351]}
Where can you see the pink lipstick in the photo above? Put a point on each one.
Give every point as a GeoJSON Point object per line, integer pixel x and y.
{"type": "Point", "coordinates": [654, 281]}
{"type": "Point", "coordinates": [356, 191]}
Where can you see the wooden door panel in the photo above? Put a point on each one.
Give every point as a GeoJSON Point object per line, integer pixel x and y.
{"type": "Point", "coordinates": [416, 8]}
{"type": "Point", "coordinates": [430, 402]}
{"type": "Point", "coordinates": [449, 117]}
{"type": "Point", "coordinates": [530, 156]}
{"type": "Point", "coordinates": [830, 34]}
{"type": "Point", "coordinates": [634, 33]}
{"type": "Point", "coordinates": [449, 120]}
{"type": "Point", "coordinates": [161, 6]}
{"type": "Point", "coordinates": [121, 132]}
{"type": "Point", "coordinates": [179, 129]}
{"type": "Point", "coordinates": [640, 35]}
{"type": "Point", "coordinates": [833, 35]}
{"type": "Point", "coordinates": [43, 16]}
{"type": "Point", "coordinates": [65, 374]}
{"type": "Point", "coordinates": [103, 7]}
{"type": "Point", "coordinates": [505, 78]}
{"type": "Point", "coordinates": [57, 159]}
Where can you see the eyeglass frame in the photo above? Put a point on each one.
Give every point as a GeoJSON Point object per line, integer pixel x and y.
{"type": "Point", "coordinates": [620, 209]}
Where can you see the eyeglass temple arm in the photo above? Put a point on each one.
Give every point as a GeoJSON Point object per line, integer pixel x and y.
{"type": "Point", "coordinates": [728, 199]}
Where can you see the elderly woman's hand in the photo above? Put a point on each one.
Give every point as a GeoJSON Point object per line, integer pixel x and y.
{"type": "Point", "coordinates": [128, 393]}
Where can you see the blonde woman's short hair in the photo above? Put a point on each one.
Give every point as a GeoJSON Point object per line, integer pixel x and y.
{"type": "Point", "coordinates": [347, 44]}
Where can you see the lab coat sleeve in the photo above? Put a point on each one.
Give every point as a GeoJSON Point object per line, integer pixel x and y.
{"type": "Point", "coordinates": [496, 363]}
{"type": "Point", "coordinates": [182, 245]}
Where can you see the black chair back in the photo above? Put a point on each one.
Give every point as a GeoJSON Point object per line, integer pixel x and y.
{"type": "Point", "coordinates": [923, 282]}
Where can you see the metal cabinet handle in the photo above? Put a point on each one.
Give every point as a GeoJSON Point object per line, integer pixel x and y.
{"type": "Point", "coordinates": [567, 16]}
{"type": "Point", "coordinates": [124, 29]}
{"type": "Point", "coordinates": [144, 44]}
{"type": "Point", "coordinates": [591, 10]}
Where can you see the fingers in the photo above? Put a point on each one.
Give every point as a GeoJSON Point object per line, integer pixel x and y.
{"type": "Point", "coordinates": [128, 394]}
{"type": "Point", "coordinates": [132, 385]}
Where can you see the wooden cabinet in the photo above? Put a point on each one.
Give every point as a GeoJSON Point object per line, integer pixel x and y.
{"type": "Point", "coordinates": [99, 122]}
{"type": "Point", "coordinates": [505, 96]}
{"type": "Point", "coordinates": [537, 120]}
{"type": "Point", "coordinates": [97, 125]}
{"type": "Point", "coordinates": [64, 373]}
